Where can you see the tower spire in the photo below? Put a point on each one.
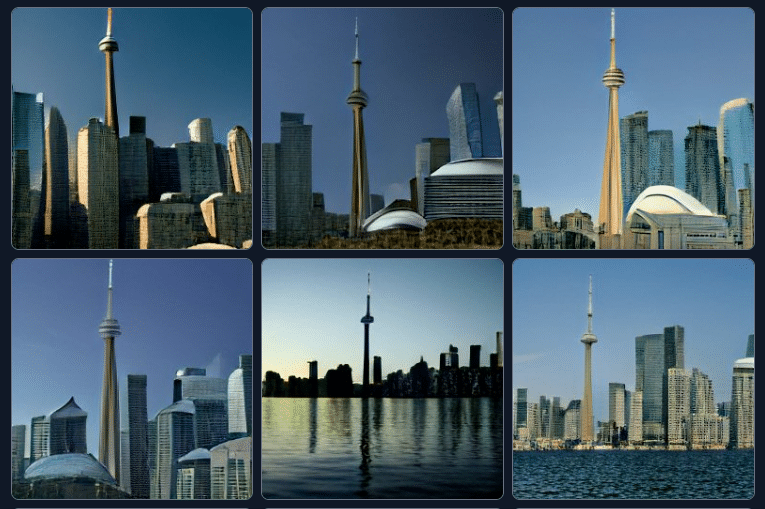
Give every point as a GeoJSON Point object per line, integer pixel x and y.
{"type": "Point", "coordinates": [360, 199]}
{"type": "Point", "coordinates": [357, 39]}
{"type": "Point", "coordinates": [589, 309]}
{"type": "Point", "coordinates": [109, 439]}
{"type": "Point", "coordinates": [109, 45]}
{"type": "Point", "coordinates": [366, 320]}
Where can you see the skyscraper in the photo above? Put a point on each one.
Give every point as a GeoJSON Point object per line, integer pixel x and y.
{"type": "Point", "coordinates": [588, 338]}
{"type": "Point", "coordinates": [678, 406]}
{"type": "Point", "coordinates": [617, 408]}
{"type": "Point", "coordinates": [464, 114]}
{"type": "Point", "coordinates": [703, 178]}
{"type": "Point", "coordinates": [240, 398]}
{"type": "Point", "coordinates": [98, 184]}
{"type": "Point", "coordinates": [240, 157]}
{"type": "Point", "coordinates": [55, 188]}
{"type": "Point", "coordinates": [750, 346]}
{"type": "Point", "coordinates": [360, 204]}
{"type": "Point", "coordinates": [268, 174]}
{"type": "Point", "coordinates": [475, 356]}
{"type": "Point", "coordinates": [209, 396]}
{"type": "Point", "coordinates": [67, 429]}
{"type": "Point", "coordinates": [175, 438]}
{"type": "Point", "coordinates": [742, 404]}
{"type": "Point", "coordinates": [197, 161]}
{"type": "Point", "coordinates": [109, 442]}
{"type": "Point", "coordinates": [27, 145]}
{"type": "Point", "coordinates": [134, 180]}
{"type": "Point", "coordinates": [661, 158]}
{"type": "Point", "coordinates": [634, 155]}
{"type": "Point", "coordinates": [430, 155]}
{"type": "Point", "coordinates": [366, 320]}
{"type": "Point", "coordinates": [138, 440]}
{"type": "Point", "coordinates": [18, 437]}
{"type": "Point", "coordinates": [109, 45]}
{"type": "Point", "coordinates": [499, 99]}
{"type": "Point", "coordinates": [735, 143]}
{"type": "Point", "coordinates": [39, 434]}
{"type": "Point", "coordinates": [231, 469]}
{"type": "Point", "coordinates": [521, 404]}
{"type": "Point", "coordinates": [635, 431]}
{"type": "Point", "coordinates": [377, 371]}
{"type": "Point", "coordinates": [611, 203]}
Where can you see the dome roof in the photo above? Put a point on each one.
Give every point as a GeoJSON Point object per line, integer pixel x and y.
{"type": "Point", "coordinates": [668, 200]}
{"type": "Point", "coordinates": [210, 245]}
{"type": "Point", "coordinates": [396, 215]}
{"type": "Point", "coordinates": [746, 363]}
{"type": "Point", "coordinates": [69, 465]}
{"type": "Point", "coordinates": [196, 454]}
{"type": "Point", "coordinates": [467, 167]}
{"type": "Point", "coordinates": [237, 444]}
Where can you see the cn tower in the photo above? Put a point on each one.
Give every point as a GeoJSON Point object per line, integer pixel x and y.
{"type": "Point", "coordinates": [610, 213]}
{"type": "Point", "coordinates": [359, 181]}
{"type": "Point", "coordinates": [366, 320]}
{"type": "Point", "coordinates": [588, 338]}
{"type": "Point", "coordinates": [109, 442]}
{"type": "Point", "coordinates": [109, 45]}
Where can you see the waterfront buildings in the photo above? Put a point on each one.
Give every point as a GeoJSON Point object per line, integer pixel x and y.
{"type": "Point", "coordinates": [634, 156]}
{"type": "Point", "coordinates": [611, 202]}
{"type": "Point", "coordinates": [678, 406]}
{"type": "Point", "coordinates": [742, 404]}
{"type": "Point", "coordinates": [465, 138]}
{"type": "Point", "coordinates": [520, 408]}
{"type": "Point", "coordinates": [616, 405]}
{"type": "Point", "coordinates": [27, 154]}
{"type": "Point", "coordinates": [137, 435]}
{"type": "Point", "coordinates": [98, 184]}
{"type": "Point", "coordinates": [573, 420]}
{"type": "Point", "coordinates": [109, 439]}
{"type": "Point", "coordinates": [588, 338]}
{"type": "Point", "coordinates": [55, 183]}
{"type": "Point", "coordinates": [735, 148]}
{"type": "Point", "coordinates": [635, 431]}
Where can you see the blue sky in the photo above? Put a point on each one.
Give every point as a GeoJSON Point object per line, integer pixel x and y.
{"type": "Point", "coordinates": [713, 299]}
{"type": "Point", "coordinates": [412, 60]}
{"type": "Point", "coordinates": [680, 65]}
{"type": "Point", "coordinates": [312, 310]}
{"type": "Point", "coordinates": [173, 314]}
{"type": "Point", "coordinates": [173, 65]}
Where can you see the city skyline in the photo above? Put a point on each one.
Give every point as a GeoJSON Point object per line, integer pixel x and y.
{"type": "Point", "coordinates": [630, 298]}
{"type": "Point", "coordinates": [169, 320]}
{"type": "Point", "coordinates": [560, 105]}
{"type": "Point", "coordinates": [173, 66]}
{"type": "Point", "coordinates": [412, 61]}
{"type": "Point", "coordinates": [312, 309]}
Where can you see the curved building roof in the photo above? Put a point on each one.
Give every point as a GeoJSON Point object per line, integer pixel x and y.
{"type": "Point", "coordinates": [196, 454]}
{"type": "Point", "coordinates": [69, 465]}
{"type": "Point", "coordinates": [237, 444]}
{"type": "Point", "coordinates": [210, 245]}
{"type": "Point", "coordinates": [183, 406]}
{"type": "Point", "coordinates": [483, 166]}
{"type": "Point", "coordinates": [69, 409]}
{"type": "Point", "coordinates": [398, 214]}
{"type": "Point", "coordinates": [745, 363]}
{"type": "Point", "coordinates": [668, 200]}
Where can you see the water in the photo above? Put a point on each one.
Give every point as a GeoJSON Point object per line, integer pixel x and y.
{"type": "Point", "coordinates": [634, 474]}
{"type": "Point", "coordinates": [382, 448]}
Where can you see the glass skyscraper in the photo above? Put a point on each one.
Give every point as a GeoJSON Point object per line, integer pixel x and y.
{"type": "Point", "coordinates": [703, 178]}
{"type": "Point", "coordinates": [735, 145]}
{"type": "Point", "coordinates": [27, 153]}
{"type": "Point", "coordinates": [465, 138]}
{"type": "Point", "coordinates": [240, 398]}
{"type": "Point", "coordinates": [633, 132]}
{"type": "Point", "coordinates": [661, 158]}
{"type": "Point", "coordinates": [138, 440]}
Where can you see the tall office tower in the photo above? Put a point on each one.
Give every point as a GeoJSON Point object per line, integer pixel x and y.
{"type": "Point", "coordinates": [750, 346]}
{"type": "Point", "coordinates": [109, 442]}
{"type": "Point", "coordinates": [517, 202]}
{"type": "Point", "coordinates": [616, 404]}
{"type": "Point", "coordinates": [27, 146]}
{"type": "Point", "coordinates": [742, 404]}
{"type": "Point", "coordinates": [475, 356]}
{"type": "Point", "coordinates": [661, 158]}
{"type": "Point", "coordinates": [138, 436]}
{"type": "Point", "coordinates": [209, 395]}
{"type": "Point", "coordinates": [18, 438]}
{"type": "Point", "coordinates": [573, 420]}
{"type": "Point", "coordinates": [98, 184]}
{"type": "Point", "coordinates": [134, 180]}
{"type": "Point", "coordinates": [521, 396]}
{"type": "Point", "coordinates": [294, 198]}
{"type": "Point", "coordinates": [240, 398]}
{"type": "Point", "coordinates": [269, 165]}
{"type": "Point", "coordinates": [532, 421]}
{"type": "Point", "coordinates": [175, 438]}
{"type": "Point", "coordinates": [588, 338]}
{"type": "Point", "coordinates": [226, 181]}
{"type": "Point", "coordinates": [555, 428]}
{"type": "Point", "coordinates": [499, 349]}
{"type": "Point", "coordinates": [164, 176]}
{"type": "Point", "coordinates": [198, 162]}
{"type": "Point", "coordinates": [627, 406]}
{"type": "Point", "coordinates": [703, 179]}
{"type": "Point", "coordinates": [463, 111]}
{"type": "Point", "coordinates": [67, 429]}
{"type": "Point", "coordinates": [109, 45]}
{"type": "Point", "coordinates": [735, 143]}
{"type": "Point", "coordinates": [360, 204]}
{"type": "Point", "coordinates": [746, 218]}
{"type": "Point", "coordinates": [240, 158]}
{"type": "Point", "coordinates": [193, 475]}
{"type": "Point", "coordinates": [634, 155]}
{"type": "Point", "coordinates": [231, 469]}
{"type": "Point", "coordinates": [499, 99]}
{"type": "Point", "coordinates": [430, 155]}
{"type": "Point", "coordinates": [366, 320]}
{"type": "Point", "coordinates": [544, 416]}
{"type": "Point", "coordinates": [39, 435]}
{"type": "Point", "coordinates": [313, 380]}
{"type": "Point", "coordinates": [377, 370]}
{"type": "Point", "coordinates": [125, 460]}
{"type": "Point", "coordinates": [635, 431]}
{"type": "Point", "coordinates": [152, 456]}
{"type": "Point", "coordinates": [678, 406]}
{"type": "Point", "coordinates": [55, 186]}
{"type": "Point", "coordinates": [611, 203]}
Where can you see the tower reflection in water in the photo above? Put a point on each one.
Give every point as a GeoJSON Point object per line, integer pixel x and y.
{"type": "Point", "coordinates": [366, 458]}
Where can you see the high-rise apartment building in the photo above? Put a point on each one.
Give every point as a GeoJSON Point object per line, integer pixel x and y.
{"type": "Point", "coordinates": [175, 438]}
{"type": "Point", "coordinates": [134, 180]}
{"type": "Point", "coordinates": [735, 145]}
{"type": "Point", "coordinates": [231, 469]}
{"type": "Point", "coordinates": [198, 162]}
{"type": "Point", "coordinates": [661, 158]}
{"type": "Point", "coordinates": [269, 164]}
{"type": "Point", "coordinates": [27, 154]}
{"type": "Point", "coordinates": [573, 420]}
{"type": "Point", "coordinates": [430, 155]}
{"type": "Point", "coordinates": [67, 429]}
{"type": "Point", "coordinates": [240, 398]}
{"type": "Point", "coordinates": [742, 404]}
{"type": "Point", "coordinates": [240, 159]}
{"type": "Point", "coordinates": [39, 434]}
{"type": "Point", "coordinates": [55, 184]}
{"type": "Point", "coordinates": [635, 431]}
{"type": "Point", "coordinates": [521, 396]}
{"type": "Point", "coordinates": [193, 475]}
{"type": "Point", "coordinates": [634, 157]}
{"type": "Point", "coordinates": [98, 184]}
{"type": "Point", "coordinates": [464, 114]}
{"type": "Point", "coordinates": [678, 406]}
{"type": "Point", "coordinates": [138, 439]}
{"type": "Point", "coordinates": [209, 395]}
{"type": "Point", "coordinates": [703, 178]}
{"type": "Point", "coordinates": [616, 404]}
{"type": "Point", "coordinates": [18, 438]}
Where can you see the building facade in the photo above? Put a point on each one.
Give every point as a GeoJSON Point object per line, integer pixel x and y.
{"type": "Point", "coordinates": [661, 158]}
{"type": "Point", "coordinates": [55, 185]}
{"type": "Point", "coordinates": [138, 436]}
{"type": "Point", "coordinates": [67, 429]}
{"type": "Point", "coordinates": [134, 180]}
{"type": "Point", "coordinates": [742, 404]}
{"type": "Point", "coordinates": [98, 184]}
{"type": "Point", "coordinates": [634, 156]}
{"type": "Point", "coordinates": [28, 154]}
{"type": "Point", "coordinates": [240, 159]}
{"type": "Point", "coordinates": [430, 155]}
{"type": "Point", "coordinates": [678, 406]}
{"type": "Point", "coordinates": [231, 469]}
{"type": "Point", "coordinates": [464, 114]}
{"type": "Point", "coordinates": [175, 438]}
{"type": "Point", "coordinates": [735, 146]}
{"type": "Point", "coordinates": [240, 397]}
{"type": "Point", "coordinates": [703, 178]}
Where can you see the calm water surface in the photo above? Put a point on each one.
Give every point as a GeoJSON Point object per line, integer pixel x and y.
{"type": "Point", "coordinates": [382, 448]}
{"type": "Point", "coordinates": [634, 474]}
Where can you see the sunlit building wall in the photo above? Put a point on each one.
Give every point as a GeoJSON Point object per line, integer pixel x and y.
{"type": "Point", "coordinates": [735, 142]}
{"type": "Point", "coordinates": [27, 153]}
{"type": "Point", "coordinates": [742, 404]}
{"type": "Point", "coordinates": [573, 420]}
{"type": "Point", "coordinates": [231, 469]}
{"type": "Point", "coordinates": [465, 138]}
{"type": "Point", "coordinates": [678, 406]}
{"type": "Point", "coordinates": [240, 397]}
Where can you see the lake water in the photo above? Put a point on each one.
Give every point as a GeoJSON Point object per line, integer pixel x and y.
{"type": "Point", "coordinates": [634, 474]}
{"type": "Point", "coordinates": [382, 448]}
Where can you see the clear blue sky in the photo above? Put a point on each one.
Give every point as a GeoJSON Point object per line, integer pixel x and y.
{"type": "Point", "coordinates": [713, 299]}
{"type": "Point", "coordinates": [173, 65]}
{"type": "Point", "coordinates": [173, 314]}
{"type": "Point", "coordinates": [312, 310]}
{"type": "Point", "coordinates": [412, 60]}
{"type": "Point", "coordinates": [680, 65]}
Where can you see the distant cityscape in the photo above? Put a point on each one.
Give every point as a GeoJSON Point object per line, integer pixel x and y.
{"type": "Point", "coordinates": [198, 447]}
{"type": "Point", "coordinates": [107, 192]}
{"type": "Point", "coordinates": [639, 206]}
{"type": "Point", "coordinates": [454, 178]}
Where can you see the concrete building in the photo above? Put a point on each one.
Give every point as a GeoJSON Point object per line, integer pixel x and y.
{"type": "Point", "coordinates": [18, 438]}
{"type": "Point", "coordinates": [228, 218]}
{"type": "Point", "coordinates": [573, 420]}
{"type": "Point", "coordinates": [138, 439]}
{"type": "Point", "coordinates": [39, 438]}
{"type": "Point", "coordinates": [678, 407]}
{"type": "Point", "coordinates": [635, 431]}
{"type": "Point", "coordinates": [703, 178]}
{"type": "Point", "coordinates": [109, 438]}
{"type": "Point", "coordinates": [209, 395]}
{"type": "Point", "coordinates": [240, 397]}
{"type": "Point", "coordinates": [240, 159]}
{"type": "Point", "coordinates": [634, 156]}
{"type": "Point", "coordinates": [588, 338]}
{"type": "Point", "coordinates": [55, 183]}
{"type": "Point", "coordinates": [466, 188]}
{"type": "Point", "coordinates": [173, 223]}
{"type": "Point", "coordinates": [746, 219]}
{"type": "Point", "coordinates": [67, 429]}
{"type": "Point", "coordinates": [611, 201]}
{"type": "Point", "coordinates": [430, 155]}
{"type": "Point", "coordinates": [742, 404]}
{"type": "Point", "coordinates": [98, 184]}
{"type": "Point", "coordinates": [175, 438]}
{"type": "Point", "coordinates": [465, 137]}
{"type": "Point", "coordinates": [193, 475]}
{"type": "Point", "coordinates": [198, 162]}
{"type": "Point", "coordinates": [27, 153]}
{"type": "Point", "coordinates": [231, 470]}
{"type": "Point", "coordinates": [134, 181]}
{"type": "Point", "coordinates": [617, 409]}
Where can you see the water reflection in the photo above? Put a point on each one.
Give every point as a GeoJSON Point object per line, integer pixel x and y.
{"type": "Point", "coordinates": [312, 411]}
{"type": "Point", "coordinates": [366, 459]}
